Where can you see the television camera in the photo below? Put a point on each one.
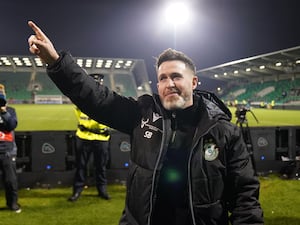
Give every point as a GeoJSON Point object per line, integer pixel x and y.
{"type": "Point", "coordinates": [242, 121]}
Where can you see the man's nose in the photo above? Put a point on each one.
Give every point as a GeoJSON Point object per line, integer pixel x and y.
{"type": "Point", "coordinates": [171, 83]}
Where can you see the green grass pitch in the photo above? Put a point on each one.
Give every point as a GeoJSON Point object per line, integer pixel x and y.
{"type": "Point", "coordinates": [34, 117]}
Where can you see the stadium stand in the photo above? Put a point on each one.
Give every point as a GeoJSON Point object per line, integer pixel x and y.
{"type": "Point", "coordinates": [124, 84]}
{"type": "Point", "coordinates": [281, 92]}
{"type": "Point", "coordinates": [44, 86]}
{"type": "Point", "coordinates": [26, 80]}
{"type": "Point", "coordinates": [267, 79]}
{"type": "Point", "coordinates": [16, 85]}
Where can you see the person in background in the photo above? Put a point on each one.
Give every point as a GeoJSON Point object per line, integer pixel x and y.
{"type": "Point", "coordinates": [189, 165]}
{"type": "Point", "coordinates": [92, 138]}
{"type": "Point", "coordinates": [8, 152]}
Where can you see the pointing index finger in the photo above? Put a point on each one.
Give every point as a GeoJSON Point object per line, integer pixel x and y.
{"type": "Point", "coordinates": [38, 32]}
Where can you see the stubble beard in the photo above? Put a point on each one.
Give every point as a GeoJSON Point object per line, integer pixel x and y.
{"type": "Point", "coordinates": [174, 103]}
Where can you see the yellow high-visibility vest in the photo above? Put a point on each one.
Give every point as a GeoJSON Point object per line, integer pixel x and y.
{"type": "Point", "coordinates": [89, 129]}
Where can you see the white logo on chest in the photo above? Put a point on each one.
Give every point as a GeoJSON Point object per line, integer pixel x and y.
{"type": "Point", "coordinates": [148, 134]}
{"type": "Point", "coordinates": [155, 117]}
{"type": "Point", "coordinates": [144, 123]}
{"type": "Point", "coordinates": [211, 151]}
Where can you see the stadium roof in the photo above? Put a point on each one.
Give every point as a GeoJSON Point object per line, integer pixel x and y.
{"type": "Point", "coordinates": [272, 65]}
{"type": "Point", "coordinates": [279, 64]}
{"type": "Point", "coordinates": [18, 63]}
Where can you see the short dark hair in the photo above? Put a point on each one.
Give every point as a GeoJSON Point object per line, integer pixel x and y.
{"type": "Point", "coordinates": [172, 54]}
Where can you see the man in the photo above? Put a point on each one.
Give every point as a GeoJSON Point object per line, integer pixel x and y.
{"type": "Point", "coordinates": [8, 152]}
{"type": "Point", "coordinates": [189, 164]}
{"type": "Point", "coordinates": [91, 138]}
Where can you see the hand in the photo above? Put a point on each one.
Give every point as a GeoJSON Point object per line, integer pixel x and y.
{"type": "Point", "coordinates": [40, 45]}
{"type": "Point", "coordinates": [3, 109]}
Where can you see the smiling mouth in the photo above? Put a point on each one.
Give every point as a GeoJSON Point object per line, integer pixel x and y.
{"type": "Point", "coordinates": [172, 94]}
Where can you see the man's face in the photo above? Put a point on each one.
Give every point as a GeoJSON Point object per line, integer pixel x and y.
{"type": "Point", "coordinates": [176, 83]}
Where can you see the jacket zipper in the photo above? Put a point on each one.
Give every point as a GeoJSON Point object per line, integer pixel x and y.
{"type": "Point", "coordinates": [189, 170]}
{"type": "Point", "coordinates": [174, 127]}
{"type": "Point", "coordinates": [155, 169]}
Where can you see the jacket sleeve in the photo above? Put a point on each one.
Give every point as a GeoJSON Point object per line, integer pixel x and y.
{"type": "Point", "coordinates": [95, 100]}
{"type": "Point", "coordinates": [242, 184]}
{"type": "Point", "coordinates": [8, 120]}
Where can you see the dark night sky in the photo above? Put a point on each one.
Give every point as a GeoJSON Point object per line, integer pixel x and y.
{"type": "Point", "coordinates": [220, 30]}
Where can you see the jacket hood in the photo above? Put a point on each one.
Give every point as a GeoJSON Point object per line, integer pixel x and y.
{"type": "Point", "coordinates": [215, 107]}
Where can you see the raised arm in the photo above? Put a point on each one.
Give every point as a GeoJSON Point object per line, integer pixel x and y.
{"type": "Point", "coordinates": [40, 45]}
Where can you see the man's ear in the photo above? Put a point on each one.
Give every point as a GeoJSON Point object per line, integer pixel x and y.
{"type": "Point", "coordinates": [195, 82]}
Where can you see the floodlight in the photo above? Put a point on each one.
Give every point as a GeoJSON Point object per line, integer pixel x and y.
{"type": "Point", "coordinates": [177, 13]}
{"type": "Point", "coordinates": [262, 67]}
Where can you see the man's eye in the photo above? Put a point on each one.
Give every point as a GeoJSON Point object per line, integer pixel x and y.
{"type": "Point", "coordinates": [176, 77]}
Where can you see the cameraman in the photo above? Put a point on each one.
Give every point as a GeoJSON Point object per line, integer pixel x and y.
{"type": "Point", "coordinates": [240, 114]}
{"type": "Point", "coordinates": [91, 138]}
{"type": "Point", "coordinates": [8, 152]}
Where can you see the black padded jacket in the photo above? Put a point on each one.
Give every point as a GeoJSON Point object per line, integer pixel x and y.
{"type": "Point", "coordinates": [222, 187]}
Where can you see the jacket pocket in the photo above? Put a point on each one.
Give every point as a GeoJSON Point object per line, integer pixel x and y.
{"type": "Point", "coordinates": [138, 193]}
{"type": "Point", "coordinates": [212, 213]}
